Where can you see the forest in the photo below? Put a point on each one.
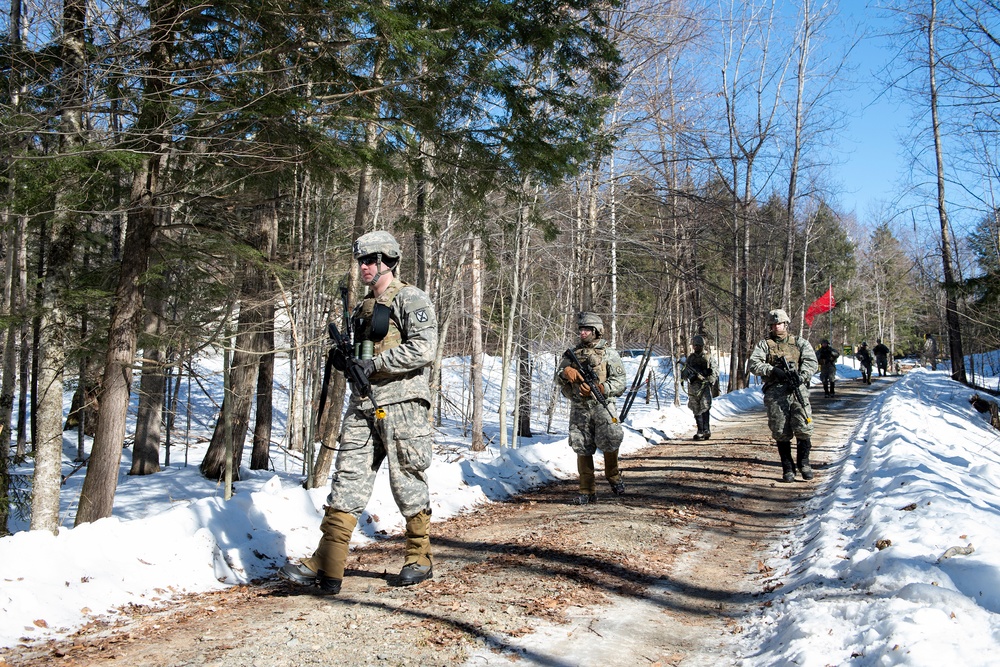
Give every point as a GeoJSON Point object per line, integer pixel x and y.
{"type": "Point", "coordinates": [183, 179]}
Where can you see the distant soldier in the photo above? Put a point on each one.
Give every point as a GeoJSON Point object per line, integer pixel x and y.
{"type": "Point", "coordinates": [881, 352]}
{"type": "Point", "coordinates": [787, 364]}
{"type": "Point", "coordinates": [864, 356]}
{"type": "Point", "coordinates": [591, 424]}
{"type": "Point", "coordinates": [930, 353]}
{"type": "Point", "coordinates": [701, 372]}
{"type": "Point", "coordinates": [827, 357]}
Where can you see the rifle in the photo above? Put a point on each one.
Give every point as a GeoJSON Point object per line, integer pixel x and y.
{"type": "Point", "coordinates": [360, 384]}
{"type": "Point", "coordinates": [793, 386]}
{"type": "Point", "coordinates": [590, 377]}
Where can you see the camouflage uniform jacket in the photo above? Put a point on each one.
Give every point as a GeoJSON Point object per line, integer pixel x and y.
{"type": "Point", "coordinates": [827, 357]}
{"type": "Point", "coordinates": [798, 351]}
{"type": "Point", "coordinates": [607, 364]}
{"type": "Point", "coordinates": [705, 365]}
{"type": "Point", "coordinates": [403, 358]}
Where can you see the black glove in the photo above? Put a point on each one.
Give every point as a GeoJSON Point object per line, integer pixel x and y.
{"type": "Point", "coordinates": [794, 379]}
{"type": "Point", "coordinates": [699, 377]}
{"type": "Point", "coordinates": [367, 366]}
{"type": "Point", "coordinates": [339, 360]}
{"type": "Point", "coordinates": [779, 375]}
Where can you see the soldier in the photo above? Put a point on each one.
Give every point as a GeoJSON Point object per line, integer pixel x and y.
{"type": "Point", "coordinates": [930, 352]}
{"type": "Point", "coordinates": [827, 358]}
{"type": "Point", "coordinates": [702, 372]}
{"type": "Point", "coordinates": [592, 426]}
{"type": "Point", "coordinates": [864, 356]}
{"type": "Point", "coordinates": [881, 352]}
{"type": "Point", "coordinates": [399, 323]}
{"type": "Point", "coordinates": [788, 411]}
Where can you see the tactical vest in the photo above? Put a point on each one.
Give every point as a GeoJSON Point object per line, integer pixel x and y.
{"type": "Point", "coordinates": [787, 349]}
{"type": "Point", "coordinates": [698, 362]}
{"type": "Point", "coordinates": [363, 320]}
{"type": "Point", "coordinates": [595, 357]}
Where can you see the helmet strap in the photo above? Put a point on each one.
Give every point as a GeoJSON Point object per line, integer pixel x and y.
{"type": "Point", "coordinates": [379, 274]}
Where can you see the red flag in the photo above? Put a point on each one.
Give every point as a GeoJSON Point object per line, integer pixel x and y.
{"type": "Point", "coordinates": [821, 305]}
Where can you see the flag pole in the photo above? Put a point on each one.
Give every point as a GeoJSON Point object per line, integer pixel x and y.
{"type": "Point", "coordinates": [829, 302]}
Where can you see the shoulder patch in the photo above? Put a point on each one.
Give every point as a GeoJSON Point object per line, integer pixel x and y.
{"type": "Point", "coordinates": [421, 315]}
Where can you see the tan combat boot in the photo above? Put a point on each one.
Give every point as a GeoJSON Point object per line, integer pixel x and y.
{"type": "Point", "coordinates": [417, 566]}
{"type": "Point", "coordinates": [327, 562]}
{"type": "Point", "coordinates": [612, 473]}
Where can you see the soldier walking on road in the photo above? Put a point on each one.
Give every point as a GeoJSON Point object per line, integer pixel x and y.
{"type": "Point", "coordinates": [864, 356]}
{"type": "Point", "coordinates": [787, 364]}
{"type": "Point", "coordinates": [930, 352]}
{"type": "Point", "coordinates": [592, 425]}
{"type": "Point", "coordinates": [881, 352]}
{"type": "Point", "coordinates": [827, 358]}
{"type": "Point", "coordinates": [391, 425]}
{"type": "Point", "coordinates": [701, 372]}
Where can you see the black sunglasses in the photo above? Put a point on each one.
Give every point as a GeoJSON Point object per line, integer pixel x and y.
{"type": "Point", "coordinates": [367, 260]}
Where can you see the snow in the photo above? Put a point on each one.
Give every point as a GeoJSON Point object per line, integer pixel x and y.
{"type": "Point", "coordinates": [921, 474]}
{"type": "Point", "coordinates": [921, 471]}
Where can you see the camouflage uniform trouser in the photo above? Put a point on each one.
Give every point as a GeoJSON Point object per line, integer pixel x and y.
{"type": "Point", "coordinates": [404, 438]}
{"type": "Point", "coordinates": [591, 428]}
{"type": "Point", "coordinates": [785, 415]}
{"type": "Point", "coordinates": [828, 375]}
{"type": "Point", "coordinates": [699, 397]}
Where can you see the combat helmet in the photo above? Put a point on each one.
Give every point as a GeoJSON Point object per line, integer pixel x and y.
{"type": "Point", "coordinates": [777, 316]}
{"type": "Point", "coordinates": [378, 242]}
{"type": "Point", "coordinates": [588, 319]}
{"type": "Point", "coordinates": [698, 339]}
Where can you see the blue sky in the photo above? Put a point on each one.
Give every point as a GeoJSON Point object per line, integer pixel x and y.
{"type": "Point", "coordinates": [870, 145]}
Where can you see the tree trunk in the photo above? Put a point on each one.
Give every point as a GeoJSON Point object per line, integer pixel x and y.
{"type": "Point", "coordinates": [51, 364]}
{"type": "Point", "coordinates": [524, 382]}
{"type": "Point", "coordinates": [152, 393]}
{"type": "Point", "coordinates": [951, 302]}
{"type": "Point", "coordinates": [261, 452]}
{"type": "Point", "coordinates": [476, 361]}
{"type": "Point", "coordinates": [787, 268]}
{"type": "Point", "coordinates": [249, 348]}
{"type": "Point", "coordinates": [101, 482]}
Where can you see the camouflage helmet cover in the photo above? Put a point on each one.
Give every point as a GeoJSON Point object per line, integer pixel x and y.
{"type": "Point", "coordinates": [377, 242]}
{"type": "Point", "coordinates": [824, 342]}
{"type": "Point", "coordinates": [777, 316]}
{"type": "Point", "coordinates": [588, 319]}
{"type": "Point", "coordinates": [698, 340]}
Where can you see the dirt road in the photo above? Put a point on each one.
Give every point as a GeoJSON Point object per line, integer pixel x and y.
{"type": "Point", "coordinates": [664, 575]}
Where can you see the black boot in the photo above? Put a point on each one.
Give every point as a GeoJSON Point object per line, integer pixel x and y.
{"type": "Point", "coordinates": [826, 388]}
{"type": "Point", "coordinates": [787, 464]}
{"type": "Point", "coordinates": [706, 430]}
{"type": "Point", "coordinates": [803, 448]}
{"type": "Point", "coordinates": [701, 429]}
{"type": "Point", "coordinates": [832, 393]}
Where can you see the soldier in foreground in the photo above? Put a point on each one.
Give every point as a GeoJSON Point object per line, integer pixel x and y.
{"type": "Point", "coordinates": [396, 322]}
{"type": "Point", "coordinates": [701, 372]}
{"type": "Point", "coordinates": [786, 364]}
{"type": "Point", "coordinates": [592, 421]}
{"type": "Point", "coordinates": [827, 358]}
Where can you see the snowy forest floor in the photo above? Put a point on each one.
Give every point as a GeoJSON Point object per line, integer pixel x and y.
{"type": "Point", "coordinates": [665, 575]}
